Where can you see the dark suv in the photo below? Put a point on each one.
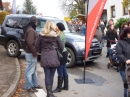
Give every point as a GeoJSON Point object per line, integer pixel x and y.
{"type": "Point", "coordinates": [12, 38]}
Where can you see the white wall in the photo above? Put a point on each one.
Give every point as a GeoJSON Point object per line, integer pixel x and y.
{"type": "Point", "coordinates": [118, 9]}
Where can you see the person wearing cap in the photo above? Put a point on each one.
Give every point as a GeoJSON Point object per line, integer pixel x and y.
{"type": "Point", "coordinates": [62, 72]}
{"type": "Point", "coordinates": [30, 36]}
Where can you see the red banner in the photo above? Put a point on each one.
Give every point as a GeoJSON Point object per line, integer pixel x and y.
{"type": "Point", "coordinates": [95, 8]}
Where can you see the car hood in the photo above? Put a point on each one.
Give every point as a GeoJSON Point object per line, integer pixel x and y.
{"type": "Point", "coordinates": [77, 37]}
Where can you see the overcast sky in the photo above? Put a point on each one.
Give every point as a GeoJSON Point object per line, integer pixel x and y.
{"type": "Point", "coordinates": [46, 7]}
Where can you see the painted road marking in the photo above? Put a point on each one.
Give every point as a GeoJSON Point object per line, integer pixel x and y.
{"type": "Point", "coordinates": [40, 93]}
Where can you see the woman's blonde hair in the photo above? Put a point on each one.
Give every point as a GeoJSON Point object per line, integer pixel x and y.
{"type": "Point", "coordinates": [48, 28]}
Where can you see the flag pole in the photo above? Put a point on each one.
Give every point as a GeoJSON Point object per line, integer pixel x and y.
{"type": "Point", "coordinates": [85, 39]}
{"type": "Point", "coordinates": [94, 9]}
{"type": "Point", "coordinates": [85, 80]}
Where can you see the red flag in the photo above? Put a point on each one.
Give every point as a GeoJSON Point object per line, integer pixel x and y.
{"type": "Point", "coordinates": [95, 8]}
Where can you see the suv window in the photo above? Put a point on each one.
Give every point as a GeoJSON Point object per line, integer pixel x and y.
{"type": "Point", "coordinates": [68, 28]}
{"type": "Point", "coordinates": [12, 22]}
{"type": "Point", "coordinates": [40, 25]}
{"type": "Point", "coordinates": [23, 22]}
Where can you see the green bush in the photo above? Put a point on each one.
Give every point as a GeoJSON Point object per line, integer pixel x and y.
{"type": "Point", "coordinates": [120, 21]}
{"type": "Point", "coordinates": [2, 16]}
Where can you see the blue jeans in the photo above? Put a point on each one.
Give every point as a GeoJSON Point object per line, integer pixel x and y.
{"type": "Point", "coordinates": [62, 70]}
{"type": "Point", "coordinates": [123, 75]}
{"type": "Point", "coordinates": [31, 74]}
{"type": "Point", "coordinates": [108, 48]}
{"type": "Point", "coordinates": [101, 45]}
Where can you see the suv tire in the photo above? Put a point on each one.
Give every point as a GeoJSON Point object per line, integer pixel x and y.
{"type": "Point", "coordinates": [71, 60]}
{"type": "Point", "coordinates": [13, 48]}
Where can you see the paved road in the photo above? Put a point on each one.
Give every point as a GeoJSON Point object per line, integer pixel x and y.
{"type": "Point", "coordinates": [7, 71]}
{"type": "Point", "coordinates": [108, 82]}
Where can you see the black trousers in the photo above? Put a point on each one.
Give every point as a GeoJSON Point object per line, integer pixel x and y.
{"type": "Point", "coordinates": [49, 76]}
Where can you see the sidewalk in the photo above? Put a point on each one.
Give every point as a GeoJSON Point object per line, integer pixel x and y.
{"type": "Point", "coordinates": [9, 74]}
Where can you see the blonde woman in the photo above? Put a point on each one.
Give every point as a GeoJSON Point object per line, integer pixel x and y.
{"type": "Point", "coordinates": [62, 72]}
{"type": "Point", "coordinates": [49, 60]}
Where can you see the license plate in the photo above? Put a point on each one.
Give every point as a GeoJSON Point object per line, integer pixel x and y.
{"type": "Point", "coordinates": [96, 51]}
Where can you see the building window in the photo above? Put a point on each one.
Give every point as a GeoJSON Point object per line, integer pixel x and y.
{"type": "Point", "coordinates": [113, 13]}
{"type": "Point", "coordinates": [125, 11]}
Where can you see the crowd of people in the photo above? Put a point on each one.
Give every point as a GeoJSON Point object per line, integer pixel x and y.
{"type": "Point", "coordinates": [112, 35]}
{"type": "Point", "coordinates": [122, 41]}
{"type": "Point", "coordinates": [78, 26]}
{"type": "Point", "coordinates": [50, 37]}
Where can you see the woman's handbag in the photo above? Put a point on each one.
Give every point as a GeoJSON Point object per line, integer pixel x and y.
{"type": "Point", "coordinates": [59, 54]}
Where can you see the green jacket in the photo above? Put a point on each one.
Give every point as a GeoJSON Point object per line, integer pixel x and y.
{"type": "Point", "coordinates": [63, 39]}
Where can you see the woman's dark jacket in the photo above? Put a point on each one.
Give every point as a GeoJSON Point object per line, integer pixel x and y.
{"type": "Point", "coordinates": [49, 56]}
{"type": "Point", "coordinates": [123, 52]}
{"type": "Point", "coordinates": [111, 35]}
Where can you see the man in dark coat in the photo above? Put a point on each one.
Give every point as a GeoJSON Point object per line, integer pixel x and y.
{"type": "Point", "coordinates": [30, 36]}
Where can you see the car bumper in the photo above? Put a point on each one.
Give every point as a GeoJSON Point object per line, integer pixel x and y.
{"type": "Point", "coordinates": [92, 55]}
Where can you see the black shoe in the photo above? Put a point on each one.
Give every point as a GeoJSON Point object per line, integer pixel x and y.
{"type": "Point", "coordinates": [38, 87]}
{"type": "Point", "coordinates": [32, 90]}
{"type": "Point", "coordinates": [107, 56]}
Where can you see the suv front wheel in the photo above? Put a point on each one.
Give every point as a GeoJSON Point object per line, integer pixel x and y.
{"type": "Point", "coordinates": [71, 60]}
{"type": "Point", "coordinates": [13, 49]}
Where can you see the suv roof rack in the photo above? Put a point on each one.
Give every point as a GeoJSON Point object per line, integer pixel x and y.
{"type": "Point", "coordinates": [28, 15]}
{"type": "Point", "coordinates": [22, 15]}
{"type": "Point", "coordinates": [50, 17]}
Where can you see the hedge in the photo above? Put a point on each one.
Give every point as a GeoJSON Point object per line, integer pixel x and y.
{"type": "Point", "coordinates": [120, 21]}
{"type": "Point", "coordinates": [2, 16]}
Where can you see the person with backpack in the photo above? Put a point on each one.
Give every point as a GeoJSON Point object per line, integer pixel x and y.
{"type": "Point", "coordinates": [30, 37]}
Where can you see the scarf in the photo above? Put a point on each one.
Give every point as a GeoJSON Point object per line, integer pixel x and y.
{"type": "Point", "coordinates": [30, 24]}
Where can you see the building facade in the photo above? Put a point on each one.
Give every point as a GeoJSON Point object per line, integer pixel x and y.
{"type": "Point", "coordinates": [115, 10]}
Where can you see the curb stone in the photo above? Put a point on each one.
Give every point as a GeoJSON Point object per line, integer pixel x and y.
{"type": "Point", "coordinates": [11, 90]}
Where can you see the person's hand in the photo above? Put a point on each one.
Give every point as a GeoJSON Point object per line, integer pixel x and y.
{"type": "Point", "coordinates": [111, 41]}
{"type": "Point", "coordinates": [128, 62]}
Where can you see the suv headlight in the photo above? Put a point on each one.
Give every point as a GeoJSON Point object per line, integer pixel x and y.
{"type": "Point", "coordinates": [81, 44]}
